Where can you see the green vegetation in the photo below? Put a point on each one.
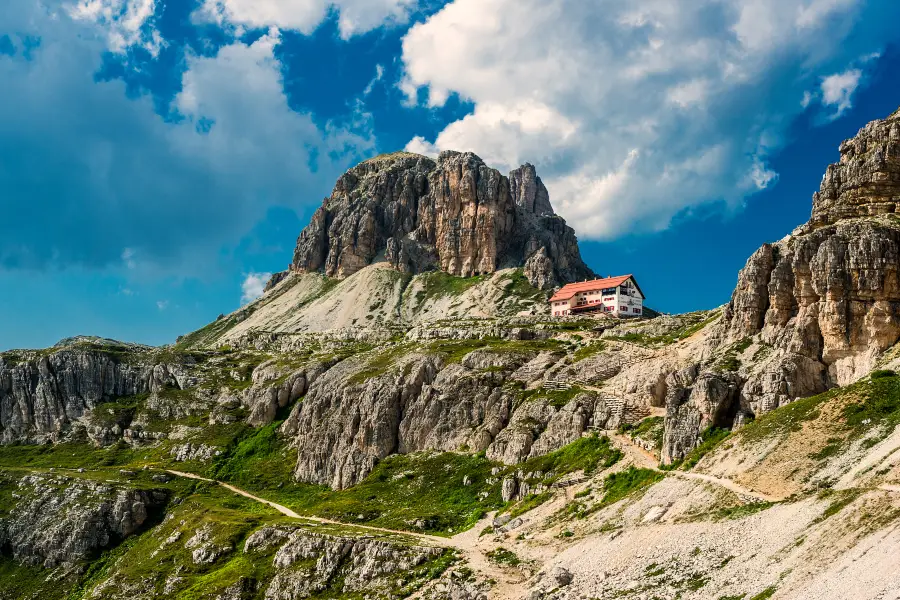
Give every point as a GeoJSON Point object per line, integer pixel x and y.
{"type": "Point", "coordinates": [502, 556]}
{"type": "Point", "coordinates": [739, 511]}
{"type": "Point", "coordinates": [695, 322]}
{"type": "Point", "coordinates": [619, 485]}
{"type": "Point", "coordinates": [528, 503]}
{"type": "Point", "coordinates": [589, 350]}
{"type": "Point", "coordinates": [380, 363]}
{"type": "Point", "coordinates": [650, 429]}
{"type": "Point", "coordinates": [878, 404]}
{"type": "Point", "coordinates": [841, 500]}
{"type": "Point", "coordinates": [555, 398]}
{"type": "Point", "coordinates": [255, 458]}
{"type": "Point", "coordinates": [437, 284]}
{"type": "Point", "coordinates": [518, 286]}
{"type": "Point", "coordinates": [869, 408]}
{"type": "Point", "coordinates": [586, 454]}
{"type": "Point", "coordinates": [19, 581]}
{"type": "Point", "coordinates": [882, 374]}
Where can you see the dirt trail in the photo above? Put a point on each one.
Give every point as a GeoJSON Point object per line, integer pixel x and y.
{"type": "Point", "coordinates": [434, 539]}
{"type": "Point", "coordinates": [509, 582]}
{"type": "Point", "coordinates": [644, 459]}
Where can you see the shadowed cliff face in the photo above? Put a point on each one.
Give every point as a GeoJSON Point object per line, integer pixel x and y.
{"type": "Point", "coordinates": [455, 214]}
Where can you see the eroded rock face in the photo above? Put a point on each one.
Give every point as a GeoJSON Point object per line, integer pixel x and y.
{"type": "Point", "coordinates": [307, 563]}
{"type": "Point", "coordinates": [40, 397]}
{"type": "Point", "coordinates": [830, 292]}
{"type": "Point", "coordinates": [820, 306]}
{"type": "Point", "coordinates": [61, 521]}
{"type": "Point", "coordinates": [455, 214]}
{"type": "Point", "coordinates": [352, 418]}
{"type": "Point", "coordinates": [694, 403]}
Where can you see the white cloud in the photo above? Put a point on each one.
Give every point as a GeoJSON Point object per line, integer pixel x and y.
{"type": "Point", "coordinates": [162, 304]}
{"type": "Point", "coordinates": [354, 16]}
{"type": "Point", "coordinates": [837, 90]}
{"type": "Point", "coordinates": [379, 75]}
{"type": "Point", "coordinates": [253, 286]}
{"type": "Point", "coordinates": [634, 111]}
{"type": "Point", "coordinates": [86, 162]}
{"type": "Point", "coordinates": [126, 21]}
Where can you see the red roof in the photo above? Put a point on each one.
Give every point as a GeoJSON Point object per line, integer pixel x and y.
{"type": "Point", "coordinates": [569, 290]}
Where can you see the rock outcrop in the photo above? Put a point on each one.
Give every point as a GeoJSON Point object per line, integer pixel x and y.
{"type": "Point", "coordinates": [62, 521]}
{"type": "Point", "coordinates": [41, 394]}
{"type": "Point", "coordinates": [455, 214]}
{"type": "Point", "coordinates": [818, 308]}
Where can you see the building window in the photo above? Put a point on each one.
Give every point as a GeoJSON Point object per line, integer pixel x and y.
{"type": "Point", "coordinates": [624, 308]}
{"type": "Point", "coordinates": [637, 310]}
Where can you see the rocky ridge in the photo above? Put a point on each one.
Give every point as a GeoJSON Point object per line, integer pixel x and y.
{"type": "Point", "coordinates": [814, 310]}
{"type": "Point", "coordinates": [456, 215]}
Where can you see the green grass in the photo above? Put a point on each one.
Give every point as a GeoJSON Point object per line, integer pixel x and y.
{"type": "Point", "coordinates": [554, 398]}
{"type": "Point", "coordinates": [619, 485]}
{"type": "Point", "coordinates": [870, 408]}
{"type": "Point", "coordinates": [879, 404]}
{"type": "Point", "coordinates": [588, 350]}
{"type": "Point", "coordinates": [502, 556]}
{"type": "Point", "coordinates": [841, 500]}
{"type": "Point", "coordinates": [765, 594]}
{"type": "Point", "coordinates": [437, 284]}
{"type": "Point", "coordinates": [696, 322]}
{"type": "Point", "coordinates": [518, 286]}
{"type": "Point", "coordinates": [257, 458]}
{"type": "Point", "coordinates": [23, 582]}
{"type": "Point", "coordinates": [589, 454]}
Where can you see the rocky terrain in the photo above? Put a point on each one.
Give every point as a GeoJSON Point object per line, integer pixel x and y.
{"type": "Point", "coordinates": [398, 416]}
{"type": "Point", "coordinates": [456, 215]}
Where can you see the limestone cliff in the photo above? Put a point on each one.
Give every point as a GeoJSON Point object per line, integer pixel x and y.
{"type": "Point", "coordinates": [830, 291]}
{"type": "Point", "coordinates": [814, 310]}
{"type": "Point", "coordinates": [455, 214]}
{"type": "Point", "coordinates": [42, 393]}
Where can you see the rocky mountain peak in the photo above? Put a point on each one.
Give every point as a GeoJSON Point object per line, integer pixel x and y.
{"type": "Point", "coordinates": [866, 180]}
{"type": "Point", "coordinates": [455, 214]}
{"type": "Point", "coordinates": [828, 296]}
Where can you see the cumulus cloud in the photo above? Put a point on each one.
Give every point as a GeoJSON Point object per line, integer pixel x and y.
{"type": "Point", "coordinates": [89, 171]}
{"type": "Point", "coordinates": [126, 21]}
{"type": "Point", "coordinates": [636, 111]}
{"type": "Point", "coordinates": [253, 286]}
{"type": "Point", "coordinates": [354, 16]}
{"type": "Point", "coordinates": [837, 90]}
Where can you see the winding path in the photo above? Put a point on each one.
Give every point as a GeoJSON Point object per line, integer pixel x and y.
{"type": "Point", "coordinates": [434, 539]}
{"type": "Point", "coordinates": [509, 584]}
{"type": "Point", "coordinates": [645, 460]}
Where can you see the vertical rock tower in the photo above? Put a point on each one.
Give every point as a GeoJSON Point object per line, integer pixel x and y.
{"type": "Point", "coordinates": [455, 214]}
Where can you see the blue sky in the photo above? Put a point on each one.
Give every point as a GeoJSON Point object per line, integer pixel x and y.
{"type": "Point", "coordinates": [156, 156]}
